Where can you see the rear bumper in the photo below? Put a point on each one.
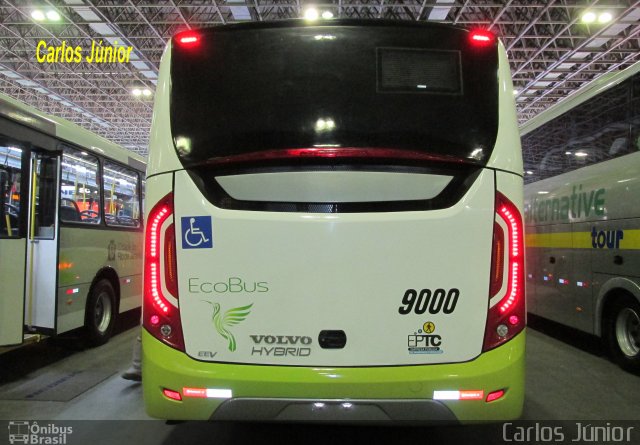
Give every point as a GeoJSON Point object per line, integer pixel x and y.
{"type": "Point", "coordinates": [377, 394]}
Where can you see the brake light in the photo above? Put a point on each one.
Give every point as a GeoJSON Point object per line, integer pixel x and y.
{"type": "Point", "coordinates": [173, 395]}
{"type": "Point", "coordinates": [161, 315]}
{"type": "Point", "coordinates": [481, 37]}
{"type": "Point", "coordinates": [325, 153]}
{"type": "Point", "coordinates": [495, 395]}
{"type": "Point", "coordinates": [506, 315]}
{"type": "Point", "coordinates": [188, 39]}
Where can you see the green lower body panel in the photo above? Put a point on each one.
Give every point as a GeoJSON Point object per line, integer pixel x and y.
{"type": "Point", "coordinates": [289, 393]}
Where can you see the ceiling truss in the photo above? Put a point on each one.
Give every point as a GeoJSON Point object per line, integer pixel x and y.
{"type": "Point", "coordinates": [552, 53]}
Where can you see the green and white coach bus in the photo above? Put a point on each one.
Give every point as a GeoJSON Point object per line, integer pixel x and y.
{"type": "Point", "coordinates": [582, 212]}
{"type": "Point", "coordinates": [334, 227]}
{"type": "Point", "coordinates": [70, 227]}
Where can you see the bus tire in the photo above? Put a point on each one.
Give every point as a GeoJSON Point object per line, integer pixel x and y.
{"type": "Point", "coordinates": [100, 315]}
{"type": "Point", "coordinates": [623, 333]}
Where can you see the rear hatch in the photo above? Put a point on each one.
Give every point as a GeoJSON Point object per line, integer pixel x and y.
{"type": "Point", "coordinates": [333, 289]}
{"type": "Point", "coordinates": [334, 209]}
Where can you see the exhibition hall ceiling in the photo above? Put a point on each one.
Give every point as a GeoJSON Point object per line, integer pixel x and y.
{"type": "Point", "coordinates": [553, 47]}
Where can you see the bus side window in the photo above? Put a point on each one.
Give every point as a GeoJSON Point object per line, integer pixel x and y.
{"type": "Point", "coordinates": [79, 189]}
{"type": "Point", "coordinates": [121, 196]}
{"type": "Point", "coordinates": [635, 114]}
{"type": "Point", "coordinates": [45, 172]}
{"type": "Point", "coordinates": [5, 222]}
{"type": "Point", "coordinates": [10, 176]}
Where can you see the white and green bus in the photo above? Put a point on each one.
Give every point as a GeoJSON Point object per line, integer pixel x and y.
{"type": "Point", "coordinates": [582, 212]}
{"type": "Point", "coordinates": [334, 227]}
{"type": "Point", "coordinates": [70, 227]}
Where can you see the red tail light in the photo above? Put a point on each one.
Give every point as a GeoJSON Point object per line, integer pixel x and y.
{"type": "Point", "coordinates": [495, 395]}
{"type": "Point", "coordinates": [324, 153]}
{"type": "Point", "coordinates": [161, 315]}
{"type": "Point", "coordinates": [506, 315]}
{"type": "Point", "coordinates": [173, 395]}
{"type": "Point", "coordinates": [188, 39]}
{"type": "Point", "coordinates": [481, 37]}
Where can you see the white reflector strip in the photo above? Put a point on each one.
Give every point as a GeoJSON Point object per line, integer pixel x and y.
{"type": "Point", "coordinates": [446, 395]}
{"type": "Point", "coordinates": [219, 393]}
{"type": "Point", "coordinates": [213, 393]}
{"type": "Point", "coordinates": [459, 395]}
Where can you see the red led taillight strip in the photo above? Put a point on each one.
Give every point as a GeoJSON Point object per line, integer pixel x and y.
{"type": "Point", "coordinates": [506, 317]}
{"type": "Point", "coordinates": [515, 257]}
{"type": "Point", "coordinates": [481, 37]}
{"type": "Point", "coordinates": [159, 215]}
{"type": "Point", "coordinates": [340, 153]}
{"type": "Point", "coordinates": [161, 314]}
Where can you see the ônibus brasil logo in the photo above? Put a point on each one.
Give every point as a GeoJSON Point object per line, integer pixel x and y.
{"type": "Point", "coordinates": [232, 317]}
{"type": "Point", "coordinates": [31, 433]}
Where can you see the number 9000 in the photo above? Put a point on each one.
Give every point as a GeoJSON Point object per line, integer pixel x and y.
{"type": "Point", "coordinates": [426, 300]}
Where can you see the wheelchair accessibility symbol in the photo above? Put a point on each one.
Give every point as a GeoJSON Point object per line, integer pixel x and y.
{"type": "Point", "coordinates": [196, 232]}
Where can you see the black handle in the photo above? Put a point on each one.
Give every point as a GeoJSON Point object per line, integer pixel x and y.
{"type": "Point", "coordinates": [552, 260]}
{"type": "Point", "coordinates": [332, 339]}
{"type": "Point", "coordinates": [618, 260]}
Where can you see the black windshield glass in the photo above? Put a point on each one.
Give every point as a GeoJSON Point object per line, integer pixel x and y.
{"type": "Point", "coordinates": [255, 87]}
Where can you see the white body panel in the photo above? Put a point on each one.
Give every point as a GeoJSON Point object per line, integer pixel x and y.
{"type": "Point", "coordinates": [333, 186]}
{"type": "Point", "coordinates": [41, 287]}
{"type": "Point", "coordinates": [12, 266]}
{"type": "Point", "coordinates": [336, 272]}
{"type": "Point", "coordinates": [506, 153]}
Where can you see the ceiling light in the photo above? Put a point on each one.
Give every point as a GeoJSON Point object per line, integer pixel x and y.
{"type": "Point", "coordinates": [605, 17]}
{"type": "Point", "coordinates": [327, 15]}
{"type": "Point", "coordinates": [516, 92]}
{"type": "Point", "coordinates": [37, 15]}
{"type": "Point", "coordinates": [589, 17]}
{"type": "Point", "coordinates": [146, 92]}
{"type": "Point", "coordinates": [53, 15]}
{"type": "Point", "coordinates": [136, 92]}
{"type": "Point", "coordinates": [311, 14]}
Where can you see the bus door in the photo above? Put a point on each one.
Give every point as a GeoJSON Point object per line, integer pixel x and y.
{"type": "Point", "coordinates": [42, 243]}
{"type": "Point", "coordinates": [12, 242]}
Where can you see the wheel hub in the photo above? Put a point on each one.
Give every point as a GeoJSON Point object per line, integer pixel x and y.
{"type": "Point", "coordinates": [628, 332]}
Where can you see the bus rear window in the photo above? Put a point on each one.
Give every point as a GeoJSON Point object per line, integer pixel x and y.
{"type": "Point", "coordinates": [257, 87]}
{"type": "Point", "coordinates": [415, 71]}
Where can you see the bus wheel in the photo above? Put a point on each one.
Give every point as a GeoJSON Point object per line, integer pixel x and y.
{"type": "Point", "coordinates": [623, 332]}
{"type": "Point", "coordinates": [101, 313]}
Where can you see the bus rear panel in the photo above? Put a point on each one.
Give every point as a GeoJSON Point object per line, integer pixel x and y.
{"type": "Point", "coordinates": [332, 235]}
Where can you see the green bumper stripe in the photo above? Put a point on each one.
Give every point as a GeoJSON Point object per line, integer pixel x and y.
{"type": "Point", "coordinates": [501, 368]}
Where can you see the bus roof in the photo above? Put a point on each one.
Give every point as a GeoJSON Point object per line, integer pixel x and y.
{"type": "Point", "coordinates": [585, 93]}
{"type": "Point", "coordinates": [67, 131]}
{"type": "Point", "coordinates": [303, 23]}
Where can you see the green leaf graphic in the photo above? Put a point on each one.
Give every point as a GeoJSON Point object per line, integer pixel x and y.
{"type": "Point", "coordinates": [232, 317]}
